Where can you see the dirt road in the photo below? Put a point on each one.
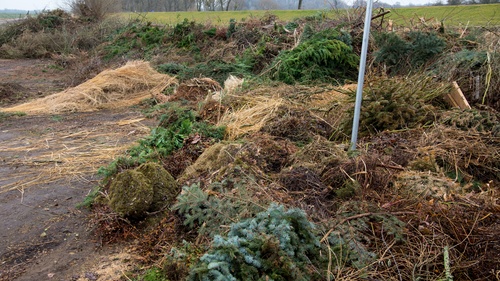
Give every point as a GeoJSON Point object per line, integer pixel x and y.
{"type": "Point", "coordinates": [48, 165]}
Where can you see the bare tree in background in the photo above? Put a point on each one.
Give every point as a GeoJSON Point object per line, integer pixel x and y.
{"type": "Point", "coordinates": [199, 4]}
{"type": "Point", "coordinates": [94, 10]}
{"type": "Point", "coordinates": [237, 5]}
{"type": "Point", "coordinates": [224, 5]}
{"type": "Point", "coordinates": [228, 5]}
{"type": "Point", "coordinates": [209, 5]}
{"type": "Point", "coordinates": [300, 4]}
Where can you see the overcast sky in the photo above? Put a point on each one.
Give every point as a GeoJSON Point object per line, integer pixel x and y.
{"type": "Point", "coordinates": [31, 4]}
{"type": "Point", "coordinates": [53, 4]}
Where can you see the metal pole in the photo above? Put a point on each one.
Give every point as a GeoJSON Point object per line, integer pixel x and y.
{"type": "Point", "coordinates": [361, 74]}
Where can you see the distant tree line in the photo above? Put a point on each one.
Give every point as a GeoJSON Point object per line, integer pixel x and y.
{"type": "Point", "coordinates": [12, 11]}
{"type": "Point", "coordinates": [227, 5]}
{"type": "Point", "coordinates": [464, 2]}
{"type": "Point", "coordinates": [471, 2]}
{"type": "Point", "coordinates": [231, 5]}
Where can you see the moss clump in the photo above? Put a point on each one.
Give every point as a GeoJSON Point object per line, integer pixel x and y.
{"type": "Point", "coordinates": [165, 188]}
{"type": "Point", "coordinates": [131, 194]}
{"type": "Point", "coordinates": [217, 156]}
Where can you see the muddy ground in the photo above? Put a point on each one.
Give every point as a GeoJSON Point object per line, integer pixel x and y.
{"type": "Point", "coordinates": [47, 166]}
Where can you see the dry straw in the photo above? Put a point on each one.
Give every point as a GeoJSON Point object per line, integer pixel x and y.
{"type": "Point", "coordinates": [470, 153]}
{"type": "Point", "coordinates": [253, 110]}
{"type": "Point", "coordinates": [121, 87]}
{"type": "Point", "coordinates": [251, 117]}
{"type": "Point", "coordinates": [71, 157]}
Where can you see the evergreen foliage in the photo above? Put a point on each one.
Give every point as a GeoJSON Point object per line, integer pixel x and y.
{"type": "Point", "coordinates": [392, 50]}
{"type": "Point", "coordinates": [221, 203]}
{"type": "Point", "coordinates": [183, 33]}
{"type": "Point", "coordinates": [143, 38]}
{"type": "Point", "coordinates": [401, 56]}
{"type": "Point", "coordinates": [350, 241]}
{"type": "Point", "coordinates": [217, 70]}
{"type": "Point", "coordinates": [257, 58]}
{"type": "Point", "coordinates": [470, 59]}
{"type": "Point", "coordinates": [193, 204]}
{"type": "Point", "coordinates": [136, 36]}
{"type": "Point", "coordinates": [316, 60]}
{"type": "Point", "coordinates": [275, 245]}
{"type": "Point", "coordinates": [424, 47]}
{"type": "Point", "coordinates": [473, 119]}
{"type": "Point", "coordinates": [307, 33]}
{"type": "Point", "coordinates": [329, 34]}
{"type": "Point", "coordinates": [462, 65]}
{"type": "Point", "coordinates": [152, 274]}
{"type": "Point", "coordinates": [350, 246]}
{"type": "Point", "coordinates": [181, 258]}
{"type": "Point", "coordinates": [232, 28]}
{"type": "Point", "coordinates": [175, 126]}
{"type": "Point", "coordinates": [394, 103]}
{"type": "Point", "coordinates": [477, 72]}
{"type": "Point", "coordinates": [89, 200]}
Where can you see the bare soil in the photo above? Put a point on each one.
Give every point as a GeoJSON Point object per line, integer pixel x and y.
{"type": "Point", "coordinates": [46, 171]}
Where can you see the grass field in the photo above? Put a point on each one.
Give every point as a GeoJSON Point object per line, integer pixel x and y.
{"type": "Point", "coordinates": [11, 15]}
{"type": "Point", "coordinates": [473, 15]}
{"type": "Point", "coordinates": [221, 17]}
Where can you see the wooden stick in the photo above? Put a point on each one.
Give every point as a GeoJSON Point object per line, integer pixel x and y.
{"type": "Point", "coordinates": [391, 167]}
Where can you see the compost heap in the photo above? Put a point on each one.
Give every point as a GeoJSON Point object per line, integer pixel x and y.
{"type": "Point", "coordinates": [420, 186]}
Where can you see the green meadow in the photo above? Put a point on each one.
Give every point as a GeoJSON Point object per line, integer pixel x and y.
{"type": "Point", "coordinates": [11, 15]}
{"type": "Point", "coordinates": [472, 15]}
{"type": "Point", "coordinates": [221, 17]}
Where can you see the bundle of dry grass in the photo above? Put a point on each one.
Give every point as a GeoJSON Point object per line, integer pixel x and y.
{"type": "Point", "coordinates": [250, 118]}
{"type": "Point", "coordinates": [255, 110]}
{"type": "Point", "coordinates": [470, 154]}
{"type": "Point", "coordinates": [121, 87]}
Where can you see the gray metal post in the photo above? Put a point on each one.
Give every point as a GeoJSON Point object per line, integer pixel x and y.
{"type": "Point", "coordinates": [361, 74]}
